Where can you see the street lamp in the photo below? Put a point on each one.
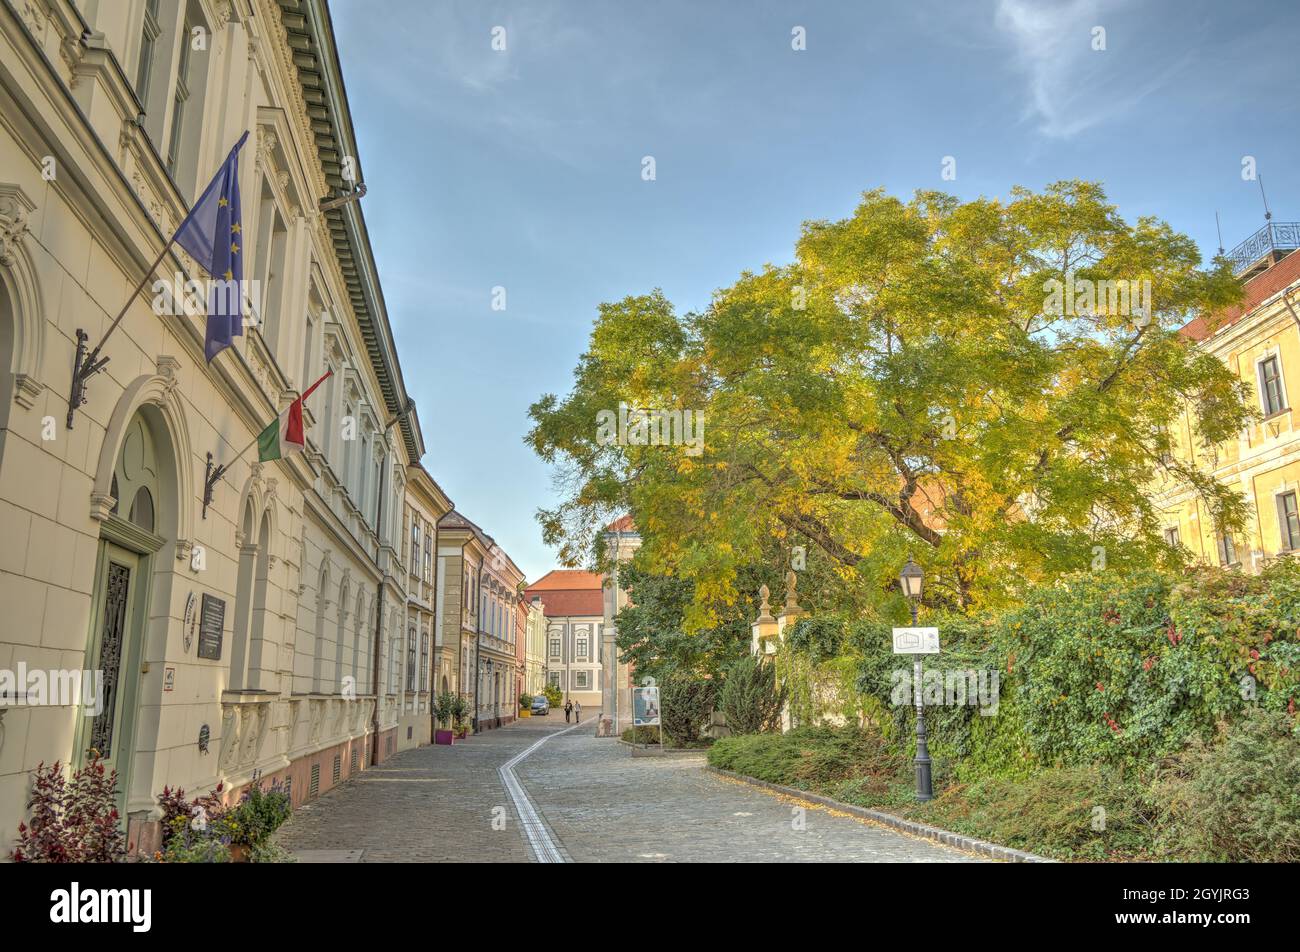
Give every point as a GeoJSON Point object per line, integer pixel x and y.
{"type": "Point", "coordinates": [911, 580]}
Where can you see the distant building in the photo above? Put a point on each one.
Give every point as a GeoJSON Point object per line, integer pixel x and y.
{"type": "Point", "coordinates": [426, 503]}
{"type": "Point", "coordinates": [573, 604]}
{"type": "Point", "coordinates": [534, 645]}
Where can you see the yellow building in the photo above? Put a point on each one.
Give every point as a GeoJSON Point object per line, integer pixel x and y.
{"type": "Point", "coordinates": [1260, 341]}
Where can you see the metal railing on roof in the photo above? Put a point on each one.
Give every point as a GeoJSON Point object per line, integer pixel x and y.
{"type": "Point", "coordinates": [1279, 236]}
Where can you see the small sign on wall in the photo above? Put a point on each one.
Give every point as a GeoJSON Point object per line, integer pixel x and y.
{"type": "Point", "coordinates": [169, 679]}
{"type": "Point", "coordinates": [212, 624]}
{"type": "Point", "coordinates": [916, 641]}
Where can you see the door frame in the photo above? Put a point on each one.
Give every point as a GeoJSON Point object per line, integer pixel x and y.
{"type": "Point", "coordinates": [121, 541]}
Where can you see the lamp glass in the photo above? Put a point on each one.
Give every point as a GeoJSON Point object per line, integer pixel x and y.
{"type": "Point", "coordinates": [911, 579]}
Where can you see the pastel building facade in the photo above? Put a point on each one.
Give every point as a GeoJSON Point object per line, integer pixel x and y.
{"type": "Point", "coordinates": [572, 603]}
{"type": "Point", "coordinates": [258, 633]}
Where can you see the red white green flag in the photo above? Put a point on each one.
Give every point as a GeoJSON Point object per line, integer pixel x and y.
{"type": "Point", "coordinates": [285, 434]}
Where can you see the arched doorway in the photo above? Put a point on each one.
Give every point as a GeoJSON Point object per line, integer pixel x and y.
{"type": "Point", "coordinates": [131, 536]}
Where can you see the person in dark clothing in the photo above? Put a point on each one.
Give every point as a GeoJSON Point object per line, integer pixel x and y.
{"type": "Point", "coordinates": [568, 709]}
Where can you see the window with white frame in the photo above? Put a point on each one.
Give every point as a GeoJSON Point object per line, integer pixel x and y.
{"type": "Point", "coordinates": [581, 680]}
{"type": "Point", "coordinates": [556, 678]}
{"type": "Point", "coordinates": [580, 646]}
{"type": "Point", "coordinates": [1288, 519]}
{"type": "Point", "coordinates": [555, 646]}
{"type": "Point", "coordinates": [424, 661]}
{"type": "Point", "coordinates": [428, 554]}
{"type": "Point", "coordinates": [415, 543]}
{"type": "Point", "coordinates": [150, 30]}
{"type": "Point", "coordinates": [1272, 393]}
{"type": "Point", "coordinates": [1172, 537]}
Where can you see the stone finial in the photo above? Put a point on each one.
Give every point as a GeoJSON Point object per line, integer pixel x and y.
{"type": "Point", "coordinates": [764, 609]}
{"type": "Point", "coordinates": [791, 598]}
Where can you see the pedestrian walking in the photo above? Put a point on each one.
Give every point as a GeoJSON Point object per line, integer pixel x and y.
{"type": "Point", "coordinates": [577, 713]}
{"type": "Point", "coordinates": [568, 709]}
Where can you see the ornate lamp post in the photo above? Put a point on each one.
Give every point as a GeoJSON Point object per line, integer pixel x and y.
{"type": "Point", "coordinates": [911, 580]}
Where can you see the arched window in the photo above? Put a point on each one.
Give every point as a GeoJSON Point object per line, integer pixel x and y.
{"type": "Point", "coordinates": [318, 653]}
{"type": "Point", "coordinates": [363, 622]}
{"type": "Point", "coordinates": [410, 660]}
{"type": "Point", "coordinates": [345, 593]}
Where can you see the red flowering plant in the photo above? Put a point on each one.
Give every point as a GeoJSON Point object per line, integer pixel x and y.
{"type": "Point", "coordinates": [72, 821]}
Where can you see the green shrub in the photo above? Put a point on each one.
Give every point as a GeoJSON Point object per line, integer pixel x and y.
{"type": "Point", "coordinates": [260, 813]}
{"type": "Point", "coordinates": [554, 696]}
{"type": "Point", "coordinates": [811, 758]}
{"type": "Point", "coordinates": [525, 700]}
{"type": "Point", "coordinates": [750, 698]}
{"type": "Point", "coordinates": [685, 706]}
{"type": "Point", "coordinates": [444, 708]}
{"type": "Point", "coordinates": [1239, 799]}
{"type": "Point", "coordinates": [1090, 813]}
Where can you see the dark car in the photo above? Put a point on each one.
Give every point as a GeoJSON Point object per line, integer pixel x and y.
{"type": "Point", "coordinates": [540, 705]}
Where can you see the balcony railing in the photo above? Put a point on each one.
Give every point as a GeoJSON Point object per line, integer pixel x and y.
{"type": "Point", "coordinates": [1275, 237]}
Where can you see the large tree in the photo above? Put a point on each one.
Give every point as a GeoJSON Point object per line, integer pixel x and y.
{"type": "Point", "coordinates": [927, 377]}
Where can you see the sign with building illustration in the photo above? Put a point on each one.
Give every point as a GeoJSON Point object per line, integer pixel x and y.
{"type": "Point", "coordinates": [916, 641]}
{"type": "Point", "coordinates": [645, 706]}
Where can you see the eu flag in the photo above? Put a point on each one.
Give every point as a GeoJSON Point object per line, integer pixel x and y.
{"type": "Point", "coordinates": [213, 233]}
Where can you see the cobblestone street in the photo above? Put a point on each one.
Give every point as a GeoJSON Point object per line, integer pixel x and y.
{"type": "Point", "coordinates": [594, 800]}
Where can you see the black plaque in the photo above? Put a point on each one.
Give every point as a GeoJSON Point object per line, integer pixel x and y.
{"type": "Point", "coordinates": [212, 623]}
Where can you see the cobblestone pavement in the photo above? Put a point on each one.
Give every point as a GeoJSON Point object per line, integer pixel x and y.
{"type": "Point", "coordinates": [426, 805]}
{"type": "Point", "coordinates": [606, 806]}
{"type": "Point", "coordinates": [437, 804]}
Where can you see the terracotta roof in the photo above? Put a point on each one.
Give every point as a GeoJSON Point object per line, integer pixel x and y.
{"type": "Point", "coordinates": [622, 524]}
{"type": "Point", "coordinates": [1258, 290]}
{"type": "Point", "coordinates": [567, 603]}
{"type": "Point", "coordinates": [566, 580]}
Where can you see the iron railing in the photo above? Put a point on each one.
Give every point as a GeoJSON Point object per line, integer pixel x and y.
{"type": "Point", "coordinates": [1273, 237]}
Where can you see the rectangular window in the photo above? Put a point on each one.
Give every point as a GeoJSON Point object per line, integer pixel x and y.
{"type": "Point", "coordinates": [1288, 521]}
{"type": "Point", "coordinates": [1227, 550]}
{"type": "Point", "coordinates": [410, 661]}
{"type": "Point", "coordinates": [581, 650]}
{"type": "Point", "coordinates": [424, 661]}
{"type": "Point", "coordinates": [556, 678]}
{"type": "Point", "coordinates": [178, 103]}
{"type": "Point", "coordinates": [415, 544]}
{"type": "Point", "coordinates": [581, 680]}
{"type": "Point", "coordinates": [1172, 537]}
{"type": "Point", "coordinates": [555, 647]}
{"type": "Point", "coordinates": [428, 557]}
{"type": "Point", "coordinates": [1271, 393]}
{"type": "Point", "coordinates": [149, 33]}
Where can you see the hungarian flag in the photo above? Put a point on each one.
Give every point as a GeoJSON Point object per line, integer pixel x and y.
{"type": "Point", "coordinates": [285, 434]}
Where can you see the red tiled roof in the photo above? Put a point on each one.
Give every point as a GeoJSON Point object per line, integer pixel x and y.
{"type": "Point", "coordinates": [562, 603]}
{"type": "Point", "coordinates": [622, 524]}
{"type": "Point", "coordinates": [1258, 290]}
{"type": "Point", "coordinates": [566, 580]}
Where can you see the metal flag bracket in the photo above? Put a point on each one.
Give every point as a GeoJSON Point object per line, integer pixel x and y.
{"type": "Point", "coordinates": [211, 476]}
{"type": "Point", "coordinates": [84, 366]}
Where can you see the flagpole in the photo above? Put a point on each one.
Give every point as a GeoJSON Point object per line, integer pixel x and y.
{"type": "Point", "coordinates": [86, 365]}
{"type": "Point", "coordinates": [213, 476]}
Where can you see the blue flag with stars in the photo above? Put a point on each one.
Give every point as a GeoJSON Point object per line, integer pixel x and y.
{"type": "Point", "coordinates": [212, 233]}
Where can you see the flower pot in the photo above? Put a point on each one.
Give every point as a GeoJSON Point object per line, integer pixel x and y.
{"type": "Point", "coordinates": [525, 712]}
{"type": "Point", "coordinates": [239, 852]}
{"type": "Point", "coordinates": [443, 737]}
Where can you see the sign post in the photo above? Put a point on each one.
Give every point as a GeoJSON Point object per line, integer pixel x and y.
{"type": "Point", "coordinates": [919, 642]}
{"type": "Point", "coordinates": [646, 711]}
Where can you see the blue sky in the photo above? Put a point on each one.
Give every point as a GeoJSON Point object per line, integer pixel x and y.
{"type": "Point", "coordinates": [522, 169]}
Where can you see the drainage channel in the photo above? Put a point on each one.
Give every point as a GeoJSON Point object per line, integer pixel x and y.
{"type": "Point", "coordinates": [539, 837]}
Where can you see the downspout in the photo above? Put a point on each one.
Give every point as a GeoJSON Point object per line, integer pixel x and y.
{"type": "Point", "coordinates": [478, 591]}
{"type": "Point", "coordinates": [379, 586]}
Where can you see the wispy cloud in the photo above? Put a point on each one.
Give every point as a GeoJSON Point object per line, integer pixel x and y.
{"type": "Point", "coordinates": [1073, 86]}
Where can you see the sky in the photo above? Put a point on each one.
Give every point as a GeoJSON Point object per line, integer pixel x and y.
{"type": "Point", "coordinates": [521, 168]}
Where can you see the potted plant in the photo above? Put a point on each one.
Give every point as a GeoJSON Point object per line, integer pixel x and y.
{"type": "Point", "coordinates": [460, 716]}
{"type": "Point", "coordinates": [444, 711]}
{"type": "Point", "coordinates": [525, 705]}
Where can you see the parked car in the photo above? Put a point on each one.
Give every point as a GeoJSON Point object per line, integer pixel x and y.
{"type": "Point", "coordinates": [540, 705]}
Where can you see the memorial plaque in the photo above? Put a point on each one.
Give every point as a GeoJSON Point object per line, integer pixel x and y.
{"type": "Point", "coordinates": [212, 624]}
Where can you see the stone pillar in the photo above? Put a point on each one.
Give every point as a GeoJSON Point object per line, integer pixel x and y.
{"type": "Point", "coordinates": [765, 630]}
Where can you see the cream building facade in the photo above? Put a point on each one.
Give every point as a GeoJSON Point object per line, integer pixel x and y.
{"type": "Point", "coordinates": [572, 602]}
{"type": "Point", "coordinates": [426, 503]}
{"type": "Point", "coordinates": [534, 647]}
{"type": "Point", "coordinates": [1260, 341]}
{"type": "Point", "coordinates": [260, 635]}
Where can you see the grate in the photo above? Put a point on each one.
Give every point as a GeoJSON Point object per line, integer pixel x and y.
{"type": "Point", "coordinates": [314, 789]}
{"type": "Point", "coordinates": [338, 767]}
{"type": "Point", "coordinates": [354, 762]}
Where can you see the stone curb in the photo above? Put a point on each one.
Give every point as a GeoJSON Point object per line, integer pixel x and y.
{"type": "Point", "coordinates": [960, 841]}
{"type": "Point", "coordinates": [652, 750]}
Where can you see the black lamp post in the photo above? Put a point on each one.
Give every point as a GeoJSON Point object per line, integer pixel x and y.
{"type": "Point", "coordinates": [911, 580]}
